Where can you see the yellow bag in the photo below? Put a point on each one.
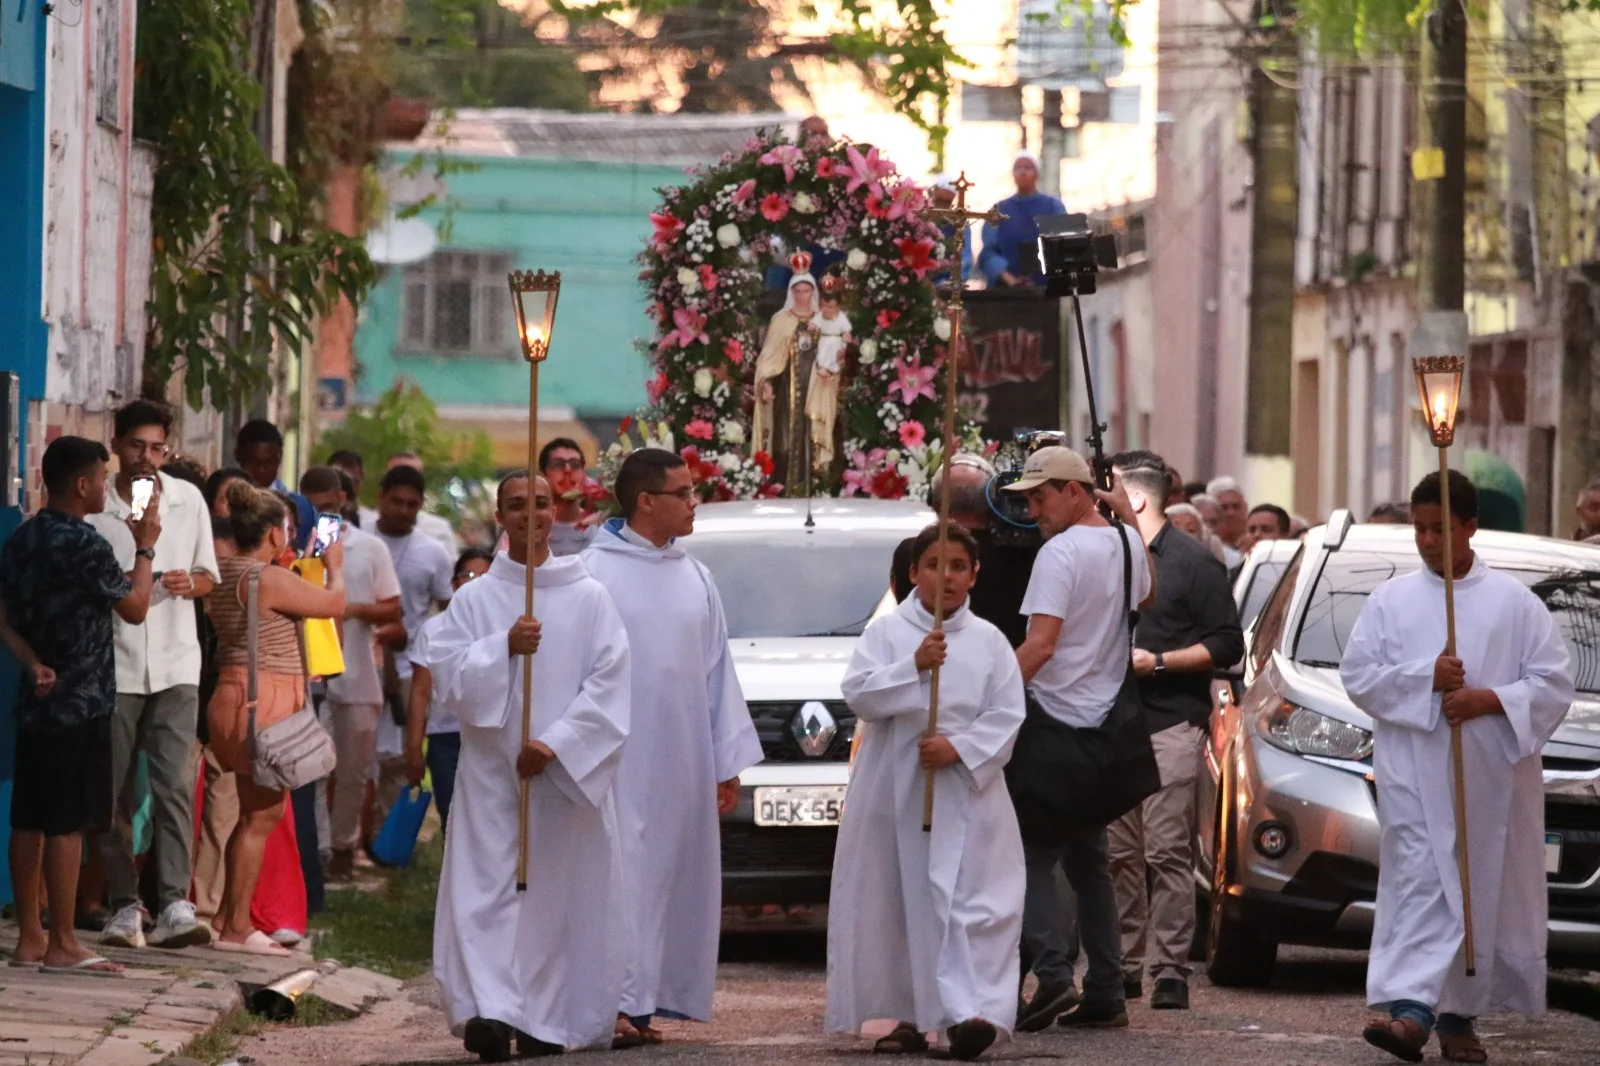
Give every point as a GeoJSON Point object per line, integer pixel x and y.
{"type": "Point", "coordinates": [324, 657]}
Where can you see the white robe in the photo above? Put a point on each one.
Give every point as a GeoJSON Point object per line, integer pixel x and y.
{"type": "Point", "coordinates": [691, 729]}
{"type": "Point", "coordinates": [1508, 641]}
{"type": "Point", "coordinates": [548, 961]}
{"type": "Point", "coordinates": [925, 927]}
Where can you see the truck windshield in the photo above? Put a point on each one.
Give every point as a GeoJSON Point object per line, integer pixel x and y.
{"type": "Point", "coordinates": [795, 584]}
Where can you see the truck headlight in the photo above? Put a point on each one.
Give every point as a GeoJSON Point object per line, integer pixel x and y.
{"type": "Point", "coordinates": [1305, 732]}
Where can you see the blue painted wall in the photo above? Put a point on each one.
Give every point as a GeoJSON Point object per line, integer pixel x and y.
{"type": "Point", "coordinates": [587, 220]}
{"type": "Point", "coordinates": [23, 333]}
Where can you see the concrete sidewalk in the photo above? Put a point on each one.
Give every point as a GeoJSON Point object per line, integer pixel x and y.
{"type": "Point", "coordinates": [163, 1002]}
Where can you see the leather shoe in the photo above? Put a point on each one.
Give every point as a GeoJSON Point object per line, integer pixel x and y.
{"type": "Point", "coordinates": [488, 1039]}
{"type": "Point", "coordinates": [1093, 1017]}
{"type": "Point", "coordinates": [1047, 1004]}
{"type": "Point", "coordinates": [1171, 993]}
{"type": "Point", "coordinates": [1132, 988]}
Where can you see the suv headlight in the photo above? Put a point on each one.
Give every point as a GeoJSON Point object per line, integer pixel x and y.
{"type": "Point", "coordinates": [1305, 732]}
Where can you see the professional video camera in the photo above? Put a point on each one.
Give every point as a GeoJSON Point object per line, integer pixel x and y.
{"type": "Point", "coordinates": [1009, 522]}
{"type": "Point", "coordinates": [1071, 254]}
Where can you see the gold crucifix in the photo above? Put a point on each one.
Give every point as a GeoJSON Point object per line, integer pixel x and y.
{"type": "Point", "coordinates": [960, 216]}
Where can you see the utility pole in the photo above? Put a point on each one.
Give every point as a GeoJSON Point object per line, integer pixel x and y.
{"type": "Point", "coordinates": [1052, 144]}
{"type": "Point", "coordinates": [1439, 170]}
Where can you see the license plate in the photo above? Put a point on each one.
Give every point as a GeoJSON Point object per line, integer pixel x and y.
{"type": "Point", "coordinates": [1552, 853]}
{"type": "Point", "coordinates": [799, 806]}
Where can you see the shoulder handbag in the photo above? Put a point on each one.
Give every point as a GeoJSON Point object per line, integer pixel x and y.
{"type": "Point", "coordinates": [1064, 779]}
{"type": "Point", "coordinates": [295, 751]}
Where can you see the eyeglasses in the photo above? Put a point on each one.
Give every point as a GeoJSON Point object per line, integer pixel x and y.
{"type": "Point", "coordinates": [565, 464]}
{"type": "Point", "coordinates": [145, 447]}
{"type": "Point", "coordinates": [685, 494]}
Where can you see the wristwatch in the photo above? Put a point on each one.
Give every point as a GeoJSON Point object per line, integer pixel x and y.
{"type": "Point", "coordinates": [1161, 662]}
{"type": "Point", "coordinates": [145, 553]}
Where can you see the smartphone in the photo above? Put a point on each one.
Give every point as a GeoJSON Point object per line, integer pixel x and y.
{"type": "Point", "coordinates": [328, 528]}
{"type": "Point", "coordinates": [144, 488]}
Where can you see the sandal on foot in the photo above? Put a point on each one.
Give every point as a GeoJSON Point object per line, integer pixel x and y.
{"type": "Point", "coordinates": [904, 1039]}
{"type": "Point", "coordinates": [1462, 1047]}
{"type": "Point", "coordinates": [971, 1038]}
{"type": "Point", "coordinates": [649, 1034]}
{"type": "Point", "coordinates": [93, 966]}
{"type": "Point", "coordinates": [624, 1036]}
{"type": "Point", "coordinates": [1400, 1037]}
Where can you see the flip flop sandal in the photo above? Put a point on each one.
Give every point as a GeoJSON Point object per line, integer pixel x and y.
{"type": "Point", "coordinates": [904, 1039]}
{"type": "Point", "coordinates": [1462, 1047]}
{"type": "Point", "coordinates": [93, 966]}
{"type": "Point", "coordinates": [649, 1034]}
{"type": "Point", "coordinates": [970, 1039]}
{"type": "Point", "coordinates": [624, 1036]}
{"type": "Point", "coordinates": [1400, 1037]}
{"type": "Point", "coordinates": [257, 943]}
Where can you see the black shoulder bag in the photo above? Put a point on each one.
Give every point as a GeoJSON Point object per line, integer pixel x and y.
{"type": "Point", "coordinates": [1065, 779]}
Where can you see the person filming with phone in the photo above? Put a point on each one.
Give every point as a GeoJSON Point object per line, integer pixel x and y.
{"type": "Point", "coordinates": [158, 678]}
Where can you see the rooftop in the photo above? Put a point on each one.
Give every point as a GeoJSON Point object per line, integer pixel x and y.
{"type": "Point", "coordinates": [601, 136]}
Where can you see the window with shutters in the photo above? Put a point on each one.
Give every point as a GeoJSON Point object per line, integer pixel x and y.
{"type": "Point", "coordinates": [457, 303]}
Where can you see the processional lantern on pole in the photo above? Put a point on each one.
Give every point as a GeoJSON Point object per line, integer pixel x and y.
{"type": "Point", "coordinates": [1439, 385]}
{"type": "Point", "coordinates": [959, 215]}
{"type": "Point", "coordinates": [533, 298]}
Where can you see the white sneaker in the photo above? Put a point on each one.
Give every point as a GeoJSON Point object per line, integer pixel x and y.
{"type": "Point", "coordinates": [126, 930]}
{"type": "Point", "coordinates": [179, 928]}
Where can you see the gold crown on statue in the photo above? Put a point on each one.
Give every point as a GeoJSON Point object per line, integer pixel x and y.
{"type": "Point", "coordinates": [800, 262]}
{"type": "Point", "coordinates": [832, 285]}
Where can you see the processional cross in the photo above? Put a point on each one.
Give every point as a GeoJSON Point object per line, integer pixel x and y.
{"type": "Point", "coordinates": [960, 215]}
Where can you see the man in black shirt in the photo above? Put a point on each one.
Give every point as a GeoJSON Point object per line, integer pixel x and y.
{"type": "Point", "coordinates": [1003, 569]}
{"type": "Point", "coordinates": [1189, 632]}
{"type": "Point", "coordinates": [59, 583]}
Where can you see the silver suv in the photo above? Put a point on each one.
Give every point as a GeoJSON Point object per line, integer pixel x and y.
{"type": "Point", "coordinates": [799, 584]}
{"type": "Point", "coordinates": [1287, 848]}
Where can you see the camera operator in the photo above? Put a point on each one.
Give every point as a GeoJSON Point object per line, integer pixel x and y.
{"type": "Point", "coordinates": [1191, 630]}
{"type": "Point", "coordinates": [1075, 659]}
{"type": "Point", "coordinates": [1004, 563]}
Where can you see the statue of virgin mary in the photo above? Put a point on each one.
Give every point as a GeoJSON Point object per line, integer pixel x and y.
{"type": "Point", "coordinates": [783, 377]}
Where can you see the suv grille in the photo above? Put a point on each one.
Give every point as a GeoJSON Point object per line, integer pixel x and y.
{"type": "Point", "coordinates": [774, 722]}
{"type": "Point", "coordinates": [747, 848]}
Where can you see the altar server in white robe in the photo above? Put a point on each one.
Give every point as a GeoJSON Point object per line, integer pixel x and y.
{"type": "Point", "coordinates": [691, 738]}
{"type": "Point", "coordinates": [1508, 685]}
{"type": "Point", "coordinates": [924, 928]}
{"type": "Point", "coordinates": [542, 967]}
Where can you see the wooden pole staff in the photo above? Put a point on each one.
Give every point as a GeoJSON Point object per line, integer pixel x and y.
{"type": "Point", "coordinates": [1463, 861]}
{"type": "Point", "coordinates": [960, 216]}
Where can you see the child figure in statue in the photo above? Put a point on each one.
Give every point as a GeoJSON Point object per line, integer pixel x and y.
{"type": "Point", "coordinates": [822, 396]}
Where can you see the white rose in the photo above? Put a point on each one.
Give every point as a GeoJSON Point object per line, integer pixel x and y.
{"type": "Point", "coordinates": [729, 462]}
{"type": "Point", "coordinates": [941, 328]}
{"type": "Point", "coordinates": [689, 280]}
{"type": "Point", "coordinates": [868, 350]}
{"type": "Point", "coordinates": [803, 203]}
{"type": "Point", "coordinates": [703, 382]}
{"type": "Point", "coordinates": [732, 432]}
{"type": "Point", "coordinates": [728, 235]}
{"type": "Point", "coordinates": [856, 260]}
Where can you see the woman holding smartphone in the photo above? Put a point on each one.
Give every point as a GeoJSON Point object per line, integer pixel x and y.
{"type": "Point", "coordinates": [260, 538]}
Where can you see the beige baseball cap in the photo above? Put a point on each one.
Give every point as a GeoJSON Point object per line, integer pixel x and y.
{"type": "Point", "coordinates": [1052, 464]}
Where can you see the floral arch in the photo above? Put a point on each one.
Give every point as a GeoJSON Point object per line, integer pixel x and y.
{"type": "Point", "coordinates": [705, 266]}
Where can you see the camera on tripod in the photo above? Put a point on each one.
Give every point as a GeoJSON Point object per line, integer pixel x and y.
{"type": "Point", "coordinates": [1009, 511]}
{"type": "Point", "coordinates": [1071, 254]}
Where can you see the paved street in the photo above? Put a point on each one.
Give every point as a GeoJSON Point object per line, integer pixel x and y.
{"type": "Point", "coordinates": [769, 1010]}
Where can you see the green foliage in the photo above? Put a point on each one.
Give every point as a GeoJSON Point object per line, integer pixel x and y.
{"type": "Point", "coordinates": [476, 53]}
{"type": "Point", "coordinates": [405, 420]}
{"type": "Point", "coordinates": [1355, 27]}
{"type": "Point", "coordinates": [389, 930]}
{"type": "Point", "coordinates": [241, 260]}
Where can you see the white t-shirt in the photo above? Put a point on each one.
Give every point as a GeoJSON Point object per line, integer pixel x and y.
{"type": "Point", "coordinates": [369, 577]}
{"type": "Point", "coordinates": [424, 569]}
{"type": "Point", "coordinates": [1078, 579]}
{"type": "Point", "coordinates": [439, 719]}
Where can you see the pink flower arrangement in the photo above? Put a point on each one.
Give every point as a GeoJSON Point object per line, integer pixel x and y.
{"type": "Point", "coordinates": [785, 156]}
{"type": "Point", "coordinates": [774, 207]}
{"type": "Point", "coordinates": [746, 189]}
{"type": "Point", "coordinates": [887, 317]}
{"type": "Point", "coordinates": [865, 169]}
{"type": "Point", "coordinates": [700, 429]}
{"type": "Point", "coordinates": [826, 168]}
{"type": "Point", "coordinates": [915, 255]}
{"type": "Point", "coordinates": [691, 327]}
{"type": "Point", "coordinates": [912, 434]}
{"type": "Point", "coordinates": [667, 228]}
{"type": "Point", "coordinates": [912, 381]}
{"type": "Point", "coordinates": [657, 388]}
{"type": "Point", "coordinates": [733, 348]}
{"type": "Point", "coordinates": [708, 277]}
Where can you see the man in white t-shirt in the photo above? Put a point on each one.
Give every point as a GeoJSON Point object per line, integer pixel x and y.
{"type": "Point", "coordinates": [433, 526]}
{"type": "Point", "coordinates": [355, 697]}
{"type": "Point", "coordinates": [1074, 660]}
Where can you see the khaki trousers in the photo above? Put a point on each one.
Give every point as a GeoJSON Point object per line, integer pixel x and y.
{"type": "Point", "coordinates": [355, 740]}
{"type": "Point", "coordinates": [219, 814]}
{"type": "Point", "coordinates": [1152, 863]}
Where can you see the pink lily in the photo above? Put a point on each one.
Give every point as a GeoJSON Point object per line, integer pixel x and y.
{"type": "Point", "coordinates": [746, 189]}
{"type": "Point", "coordinates": [914, 381]}
{"type": "Point", "coordinates": [667, 229]}
{"type": "Point", "coordinates": [691, 328]}
{"type": "Point", "coordinates": [865, 169]}
{"type": "Point", "coordinates": [785, 156]}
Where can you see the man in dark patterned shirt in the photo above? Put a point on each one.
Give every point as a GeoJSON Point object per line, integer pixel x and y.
{"type": "Point", "coordinates": [59, 583]}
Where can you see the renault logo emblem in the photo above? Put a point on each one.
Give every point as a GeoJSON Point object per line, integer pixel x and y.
{"type": "Point", "coordinates": [814, 728]}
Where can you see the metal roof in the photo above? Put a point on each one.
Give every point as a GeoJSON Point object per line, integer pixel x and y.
{"type": "Point", "coordinates": [600, 137]}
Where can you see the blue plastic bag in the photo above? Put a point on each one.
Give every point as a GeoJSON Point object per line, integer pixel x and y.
{"type": "Point", "coordinates": [398, 837]}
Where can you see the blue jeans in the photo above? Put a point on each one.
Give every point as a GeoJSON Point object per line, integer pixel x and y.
{"type": "Point", "coordinates": [1444, 1024]}
{"type": "Point", "coordinates": [444, 752]}
{"type": "Point", "coordinates": [1046, 934]}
